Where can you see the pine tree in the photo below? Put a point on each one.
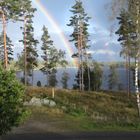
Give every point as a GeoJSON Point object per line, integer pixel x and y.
{"type": "Point", "coordinates": [9, 49]}
{"type": "Point", "coordinates": [126, 35]}
{"type": "Point", "coordinates": [31, 51]}
{"type": "Point", "coordinates": [64, 80]}
{"type": "Point", "coordinates": [15, 9]}
{"type": "Point", "coordinates": [80, 35]}
{"type": "Point", "coordinates": [112, 77]}
{"type": "Point", "coordinates": [47, 44]}
{"type": "Point", "coordinates": [133, 8]}
{"type": "Point", "coordinates": [52, 80]}
{"type": "Point", "coordinates": [51, 56]}
{"type": "Point", "coordinates": [12, 10]}
{"type": "Point", "coordinates": [95, 75]}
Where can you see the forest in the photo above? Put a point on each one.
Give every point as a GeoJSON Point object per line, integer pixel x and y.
{"type": "Point", "coordinates": [88, 76]}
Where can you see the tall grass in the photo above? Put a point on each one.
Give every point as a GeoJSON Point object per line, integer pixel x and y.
{"type": "Point", "coordinates": [102, 106]}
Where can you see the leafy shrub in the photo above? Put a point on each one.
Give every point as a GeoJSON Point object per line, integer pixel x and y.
{"type": "Point", "coordinates": [12, 111]}
{"type": "Point", "coordinates": [38, 84]}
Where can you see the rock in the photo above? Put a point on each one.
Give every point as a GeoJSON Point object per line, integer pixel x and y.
{"type": "Point", "coordinates": [26, 103]}
{"type": "Point", "coordinates": [52, 103]}
{"type": "Point", "coordinates": [64, 108]}
{"type": "Point", "coordinates": [35, 102]}
{"type": "Point", "coordinates": [45, 101]}
{"type": "Point", "coordinates": [39, 102]}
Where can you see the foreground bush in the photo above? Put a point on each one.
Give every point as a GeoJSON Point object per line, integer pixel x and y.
{"type": "Point", "coordinates": [11, 101]}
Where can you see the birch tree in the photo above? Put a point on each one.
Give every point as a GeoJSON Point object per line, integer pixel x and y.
{"type": "Point", "coordinates": [133, 8]}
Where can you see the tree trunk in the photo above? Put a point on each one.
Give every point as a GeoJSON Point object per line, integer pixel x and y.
{"type": "Point", "coordinates": [88, 78]}
{"type": "Point", "coordinates": [4, 40]}
{"type": "Point", "coordinates": [32, 76]}
{"type": "Point", "coordinates": [82, 55]}
{"type": "Point", "coordinates": [79, 65]}
{"type": "Point", "coordinates": [129, 75]}
{"type": "Point", "coordinates": [25, 59]}
{"type": "Point", "coordinates": [137, 62]}
{"type": "Point", "coordinates": [82, 74]}
{"type": "Point", "coordinates": [47, 79]}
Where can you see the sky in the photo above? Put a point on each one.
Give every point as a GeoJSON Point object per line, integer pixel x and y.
{"type": "Point", "coordinates": [104, 47]}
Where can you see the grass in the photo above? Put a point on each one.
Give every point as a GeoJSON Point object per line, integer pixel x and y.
{"type": "Point", "coordinates": [75, 123]}
{"type": "Point", "coordinates": [89, 111]}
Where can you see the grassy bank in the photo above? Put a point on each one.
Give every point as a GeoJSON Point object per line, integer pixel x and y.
{"type": "Point", "coordinates": [88, 111]}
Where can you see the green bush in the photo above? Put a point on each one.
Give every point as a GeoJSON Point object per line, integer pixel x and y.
{"type": "Point", "coordinates": [12, 111]}
{"type": "Point", "coordinates": [38, 84]}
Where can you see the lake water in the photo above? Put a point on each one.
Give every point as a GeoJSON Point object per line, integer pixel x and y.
{"type": "Point", "coordinates": [39, 76]}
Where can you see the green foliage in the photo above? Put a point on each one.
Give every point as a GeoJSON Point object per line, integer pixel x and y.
{"type": "Point", "coordinates": [128, 31]}
{"type": "Point", "coordinates": [31, 50]}
{"type": "Point", "coordinates": [126, 34]}
{"type": "Point", "coordinates": [112, 77]}
{"type": "Point", "coordinates": [20, 61]}
{"type": "Point", "coordinates": [64, 80]}
{"type": "Point", "coordinates": [52, 57]}
{"type": "Point", "coordinates": [31, 43]}
{"type": "Point", "coordinates": [128, 25]}
{"type": "Point", "coordinates": [11, 101]}
{"type": "Point", "coordinates": [38, 84]}
{"type": "Point", "coordinates": [79, 21]}
{"type": "Point", "coordinates": [133, 8]}
{"type": "Point", "coordinates": [16, 9]}
{"type": "Point", "coordinates": [77, 112]}
{"type": "Point", "coordinates": [9, 46]}
{"type": "Point", "coordinates": [78, 122]}
{"type": "Point", "coordinates": [79, 17]}
{"type": "Point", "coordinates": [95, 77]}
{"type": "Point", "coordinates": [52, 81]}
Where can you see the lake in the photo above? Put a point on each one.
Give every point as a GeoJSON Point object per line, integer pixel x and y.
{"type": "Point", "coordinates": [39, 76]}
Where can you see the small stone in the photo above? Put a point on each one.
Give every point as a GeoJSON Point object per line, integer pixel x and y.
{"type": "Point", "coordinates": [26, 104]}
{"type": "Point", "coordinates": [52, 103]}
{"type": "Point", "coordinates": [64, 108]}
{"type": "Point", "coordinates": [45, 101]}
{"type": "Point", "coordinates": [35, 101]}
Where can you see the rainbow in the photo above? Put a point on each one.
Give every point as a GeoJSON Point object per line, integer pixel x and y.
{"type": "Point", "coordinates": [55, 25]}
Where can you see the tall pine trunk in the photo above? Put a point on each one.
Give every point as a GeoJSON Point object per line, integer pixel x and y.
{"type": "Point", "coordinates": [4, 39]}
{"type": "Point", "coordinates": [25, 53]}
{"type": "Point", "coordinates": [129, 74]}
{"type": "Point", "coordinates": [32, 76]}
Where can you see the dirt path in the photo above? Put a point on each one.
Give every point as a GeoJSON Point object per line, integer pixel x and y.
{"type": "Point", "coordinates": [35, 130]}
{"type": "Point", "coordinates": [45, 127]}
{"type": "Point", "coordinates": [32, 126]}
